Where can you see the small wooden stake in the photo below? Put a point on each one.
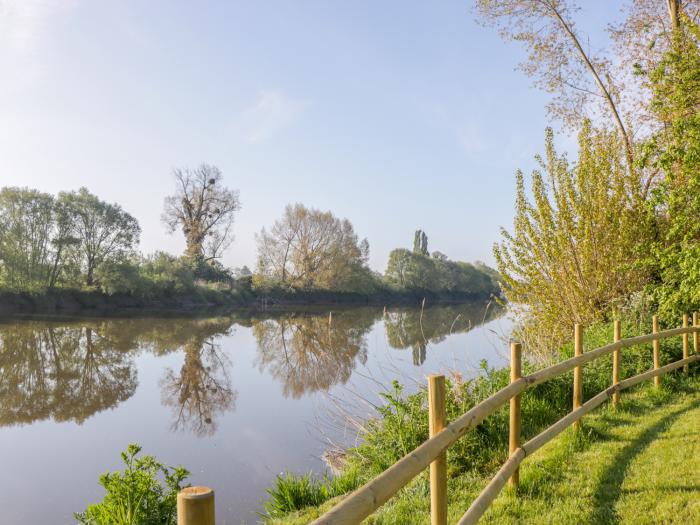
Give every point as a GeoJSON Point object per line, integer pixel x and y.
{"type": "Point", "coordinates": [330, 318]}
{"type": "Point", "coordinates": [656, 345]}
{"type": "Point", "coordinates": [616, 362]}
{"type": "Point", "coordinates": [686, 344]}
{"type": "Point", "coordinates": [514, 437]}
{"type": "Point", "coordinates": [437, 420]}
{"type": "Point", "coordinates": [195, 506]}
{"type": "Point", "coordinates": [695, 334]}
{"type": "Point", "coordinates": [385, 312]}
{"type": "Point", "coordinates": [578, 371]}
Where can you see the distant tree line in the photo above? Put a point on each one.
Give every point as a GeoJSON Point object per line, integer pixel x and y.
{"type": "Point", "coordinates": [76, 241]}
{"type": "Point", "coordinates": [309, 249]}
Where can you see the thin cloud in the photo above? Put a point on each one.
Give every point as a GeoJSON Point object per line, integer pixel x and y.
{"type": "Point", "coordinates": [273, 112]}
{"type": "Point", "coordinates": [471, 141]}
{"type": "Point", "coordinates": [22, 22]}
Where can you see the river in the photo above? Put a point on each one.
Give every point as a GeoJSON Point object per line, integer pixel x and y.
{"type": "Point", "coordinates": [235, 398]}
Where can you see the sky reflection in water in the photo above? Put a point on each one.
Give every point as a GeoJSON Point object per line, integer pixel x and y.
{"type": "Point", "coordinates": [234, 398]}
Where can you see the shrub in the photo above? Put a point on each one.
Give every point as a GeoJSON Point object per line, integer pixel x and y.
{"type": "Point", "coordinates": [118, 277]}
{"type": "Point", "coordinates": [167, 273]}
{"type": "Point", "coordinates": [145, 493]}
{"type": "Point", "coordinates": [579, 237]}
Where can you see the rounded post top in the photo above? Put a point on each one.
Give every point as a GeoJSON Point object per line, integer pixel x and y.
{"type": "Point", "coordinates": [196, 493]}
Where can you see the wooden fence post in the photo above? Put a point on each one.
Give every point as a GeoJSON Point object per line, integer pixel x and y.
{"type": "Point", "coordinates": [686, 349]}
{"type": "Point", "coordinates": [437, 420]}
{"type": "Point", "coordinates": [578, 372]}
{"type": "Point", "coordinates": [695, 334]}
{"type": "Point", "coordinates": [516, 371]}
{"type": "Point", "coordinates": [195, 506]}
{"type": "Point", "coordinates": [656, 345]}
{"type": "Point", "coordinates": [616, 362]}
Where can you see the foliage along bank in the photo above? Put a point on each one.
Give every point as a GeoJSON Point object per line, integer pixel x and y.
{"type": "Point", "coordinates": [74, 252]}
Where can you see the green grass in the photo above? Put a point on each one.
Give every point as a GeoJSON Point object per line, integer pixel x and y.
{"type": "Point", "coordinates": [637, 464]}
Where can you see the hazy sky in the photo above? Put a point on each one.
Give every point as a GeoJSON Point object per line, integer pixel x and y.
{"type": "Point", "coordinates": [397, 115]}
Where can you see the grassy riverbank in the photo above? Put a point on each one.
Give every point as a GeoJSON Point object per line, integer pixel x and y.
{"type": "Point", "coordinates": [402, 424]}
{"type": "Point", "coordinates": [633, 465]}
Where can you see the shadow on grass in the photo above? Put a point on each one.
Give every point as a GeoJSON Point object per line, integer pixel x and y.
{"type": "Point", "coordinates": [609, 488]}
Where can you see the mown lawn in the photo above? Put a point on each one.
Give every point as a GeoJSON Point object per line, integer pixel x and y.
{"type": "Point", "coordinates": [637, 464]}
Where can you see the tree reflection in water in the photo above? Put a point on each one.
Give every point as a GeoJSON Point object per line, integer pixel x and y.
{"type": "Point", "coordinates": [416, 328]}
{"type": "Point", "coordinates": [70, 371]}
{"type": "Point", "coordinates": [202, 389]}
{"type": "Point", "coordinates": [306, 353]}
{"type": "Point", "coordinates": [67, 373]}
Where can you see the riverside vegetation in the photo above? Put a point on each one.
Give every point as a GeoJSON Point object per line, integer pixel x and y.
{"type": "Point", "coordinates": [613, 234]}
{"type": "Point", "coordinates": [77, 251]}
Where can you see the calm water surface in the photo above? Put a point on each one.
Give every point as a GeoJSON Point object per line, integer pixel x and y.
{"type": "Point", "coordinates": [236, 399]}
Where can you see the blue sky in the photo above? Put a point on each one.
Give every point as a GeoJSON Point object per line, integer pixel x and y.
{"type": "Point", "coordinates": [397, 115]}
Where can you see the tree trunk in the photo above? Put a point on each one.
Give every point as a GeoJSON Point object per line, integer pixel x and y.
{"type": "Point", "coordinates": [89, 278]}
{"type": "Point", "coordinates": [674, 12]}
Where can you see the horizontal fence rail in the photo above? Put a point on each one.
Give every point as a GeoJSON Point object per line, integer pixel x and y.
{"type": "Point", "coordinates": [361, 503]}
{"type": "Point", "coordinates": [481, 503]}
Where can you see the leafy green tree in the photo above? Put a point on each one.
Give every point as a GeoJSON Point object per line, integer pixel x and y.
{"type": "Point", "coordinates": [675, 150]}
{"type": "Point", "coordinates": [105, 231]}
{"type": "Point", "coordinates": [420, 243]}
{"type": "Point", "coordinates": [28, 239]}
{"type": "Point", "coordinates": [416, 270]}
{"type": "Point", "coordinates": [577, 247]}
{"type": "Point", "coordinates": [168, 273]}
{"type": "Point", "coordinates": [412, 271]}
{"type": "Point", "coordinates": [63, 242]}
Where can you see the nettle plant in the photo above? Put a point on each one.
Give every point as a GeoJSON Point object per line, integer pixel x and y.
{"type": "Point", "coordinates": [144, 493]}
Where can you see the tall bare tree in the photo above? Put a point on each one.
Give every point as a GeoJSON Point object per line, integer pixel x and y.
{"type": "Point", "coordinates": [642, 39]}
{"type": "Point", "coordinates": [309, 248]}
{"type": "Point", "coordinates": [203, 209]}
{"type": "Point", "coordinates": [584, 81]}
{"type": "Point", "coordinates": [559, 59]}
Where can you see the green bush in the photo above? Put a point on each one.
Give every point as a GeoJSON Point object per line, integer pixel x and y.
{"type": "Point", "coordinates": [145, 493]}
{"type": "Point", "coordinates": [167, 274]}
{"type": "Point", "coordinates": [119, 277]}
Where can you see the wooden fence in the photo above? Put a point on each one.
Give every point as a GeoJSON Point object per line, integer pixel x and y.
{"type": "Point", "coordinates": [361, 503]}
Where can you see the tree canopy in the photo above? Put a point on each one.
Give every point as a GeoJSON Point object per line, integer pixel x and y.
{"type": "Point", "coordinates": [308, 248]}
{"type": "Point", "coordinates": [203, 209]}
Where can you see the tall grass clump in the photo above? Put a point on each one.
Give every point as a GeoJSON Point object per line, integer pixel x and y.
{"type": "Point", "coordinates": [291, 492]}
